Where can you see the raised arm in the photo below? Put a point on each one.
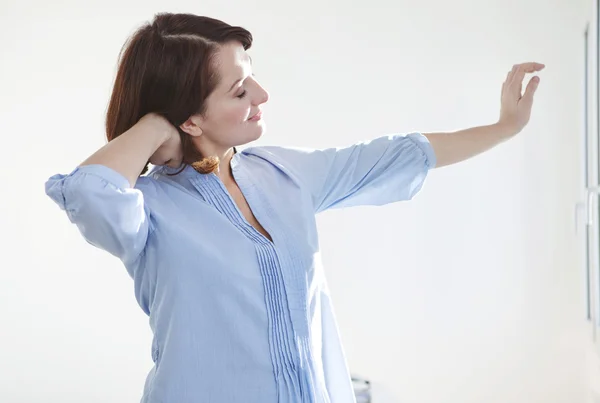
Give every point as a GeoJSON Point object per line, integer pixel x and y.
{"type": "Point", "coordinates": [99, 195]}
{"type": "Point", "coordinates": [515, 111]}
{"type": "Point", "coordinates": [130, 152]}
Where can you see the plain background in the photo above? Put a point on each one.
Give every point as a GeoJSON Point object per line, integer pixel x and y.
{"type": "Point", "coordinates": [472, 292]}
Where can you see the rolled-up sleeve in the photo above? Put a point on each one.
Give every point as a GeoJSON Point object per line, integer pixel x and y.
{"type": "Point", "coordinates": [375, 172]}
{"type": "Point", "coordinates": [108, 212]}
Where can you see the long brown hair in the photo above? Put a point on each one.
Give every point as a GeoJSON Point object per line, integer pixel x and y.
{"type": "Point", "coordinates": [166, 67]}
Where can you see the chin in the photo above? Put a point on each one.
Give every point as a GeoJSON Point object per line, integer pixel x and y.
{"type": "Point", "coordinates": [248, 139]}
{"type": "Point", "coordinates": [250, 134]}
{"type": "Point", "coordinates": [258, 133]}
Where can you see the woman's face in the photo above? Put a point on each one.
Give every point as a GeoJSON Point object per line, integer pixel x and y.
{"type": "Point", "coordinates": [232, 115]}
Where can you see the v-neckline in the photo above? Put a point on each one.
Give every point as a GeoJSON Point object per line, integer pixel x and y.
{"type": "Point", "coordinates": [215, 192]}
{"type": "Point", "coordinates": [212, 190]}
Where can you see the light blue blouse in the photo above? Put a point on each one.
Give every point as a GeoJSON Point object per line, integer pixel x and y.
{"type": "Point", "coordinates": [235, 317]}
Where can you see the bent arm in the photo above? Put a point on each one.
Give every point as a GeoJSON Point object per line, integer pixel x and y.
{"type": "Point", "coordinates": [129, 153]}
{"type": "Point", "coordinates": [99, 196]}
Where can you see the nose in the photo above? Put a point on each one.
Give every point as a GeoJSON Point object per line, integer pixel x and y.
{"type": "Point", "coordinates": [262, 95]}
{"type": "Point", "coordinates": [265, 97]}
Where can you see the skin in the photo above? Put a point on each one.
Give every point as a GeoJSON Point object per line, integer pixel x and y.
{"type": "Point", "coordinates": [515, 112]}
{"type": "Point", "coordinates": [239, 96]}
{"type": "Point", "coordinates": [236, 99]}
{"type": "Point", "coordinates": [226, 123]}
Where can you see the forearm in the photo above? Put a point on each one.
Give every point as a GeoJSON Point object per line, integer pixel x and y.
{"type": "Point", "coordinates": [453, 147]}
{"type": "Point", "coordinates": [129, 153]}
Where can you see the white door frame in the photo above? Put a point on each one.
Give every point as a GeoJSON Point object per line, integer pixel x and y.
{"type": "Point", "coordinates": [591, 169]}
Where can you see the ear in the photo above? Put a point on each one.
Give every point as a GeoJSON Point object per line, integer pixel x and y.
{"type": "Point", "coordinates": [193, 126]}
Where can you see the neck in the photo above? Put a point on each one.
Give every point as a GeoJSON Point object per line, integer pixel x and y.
{"type": "Point", "coordinates": [224, 171]}
{"type": "Point", "coordinates": [224, 154]}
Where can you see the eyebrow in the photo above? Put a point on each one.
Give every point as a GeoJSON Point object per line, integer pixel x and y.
{"type": "Point", "coordinates": [234, 84]}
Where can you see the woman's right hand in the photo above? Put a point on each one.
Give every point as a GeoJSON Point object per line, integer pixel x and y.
{"type": "Point", "coordinates": [170, 152]}
{"type": "Point", "coordinates": [152, 139]}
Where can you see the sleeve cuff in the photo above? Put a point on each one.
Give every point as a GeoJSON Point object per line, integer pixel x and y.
{"type": "Point", "coordinates": [423, 143]}
{"type": "Point", "coordinates": [108, 174]}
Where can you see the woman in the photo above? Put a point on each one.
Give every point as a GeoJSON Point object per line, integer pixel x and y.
{"type": "Point", "coordinates": [222, 246]}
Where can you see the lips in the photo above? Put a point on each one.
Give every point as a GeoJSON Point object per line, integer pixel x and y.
{"type": "Point", "coordinates": [256, 117]}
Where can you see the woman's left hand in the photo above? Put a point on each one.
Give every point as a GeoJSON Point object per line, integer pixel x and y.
{"type": "Point", "coordinates": [515, 108]}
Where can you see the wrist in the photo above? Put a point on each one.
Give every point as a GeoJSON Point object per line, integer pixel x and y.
{"type": "Point", "coordinates": [157, 127]}
{"type": "Point", "coordinates": [504, 131]}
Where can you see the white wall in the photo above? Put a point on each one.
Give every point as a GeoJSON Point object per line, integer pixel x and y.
{"type": "Point", "coordinates": [472, 292]}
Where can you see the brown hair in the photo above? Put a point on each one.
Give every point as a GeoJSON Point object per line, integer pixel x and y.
{"type": "Point", "coordinates": [166, 67]}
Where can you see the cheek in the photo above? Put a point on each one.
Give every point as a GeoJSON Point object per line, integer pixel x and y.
{"type": "Point", "coordinates": [229, 117]}
{"type": "Point", "coordinates": [236, 114]}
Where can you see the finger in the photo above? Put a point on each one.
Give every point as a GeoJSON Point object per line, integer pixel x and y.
{"type": "Point", "coordinates": [530, 67]}
{"type": "Point", "coordinates": [507, 79]}
{"type": "Point", "coordinates": [530, 90]}
{"type": "Point", "coordinates": [511, 73]}
{"type": "Point", "coordinates": [508, 84]}
{"type": "Point", "coordinates": [505, 83]}
{"type": "Point", "coordinates": [522, 69]}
